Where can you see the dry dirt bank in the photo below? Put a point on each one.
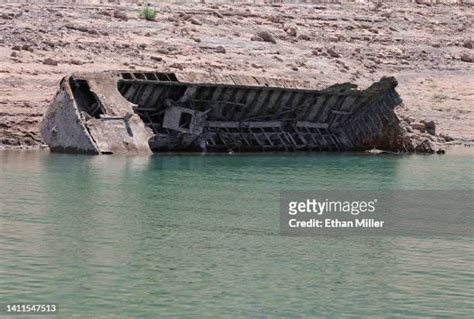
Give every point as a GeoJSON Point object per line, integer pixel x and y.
{"type": "Point", "coordinates": [428, 49]}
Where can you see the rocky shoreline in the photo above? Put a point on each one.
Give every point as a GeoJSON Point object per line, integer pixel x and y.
{"type": "Point", "coordinates": [427, 48]}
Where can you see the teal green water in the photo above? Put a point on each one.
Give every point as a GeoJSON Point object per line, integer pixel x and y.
{"type": "Point", "coordinates": [197, 236]}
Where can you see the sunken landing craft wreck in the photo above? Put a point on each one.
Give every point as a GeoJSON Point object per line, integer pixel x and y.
{"type": "Point", "coordinates": [143, 112]}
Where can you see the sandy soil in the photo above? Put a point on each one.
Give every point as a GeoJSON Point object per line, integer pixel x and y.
{"type": "Point", "coordinates": [428, 49]}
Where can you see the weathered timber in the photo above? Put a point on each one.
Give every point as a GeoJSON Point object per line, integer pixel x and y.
{"type": "Point", "coordinates": [143, 112]}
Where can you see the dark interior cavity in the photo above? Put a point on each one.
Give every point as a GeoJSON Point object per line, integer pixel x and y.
{"type": "Point", "coordinates": [86, 100]}
{"type": "Point", "coordinates": [228, 117]}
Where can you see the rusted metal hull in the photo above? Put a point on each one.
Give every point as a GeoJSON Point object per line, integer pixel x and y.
{"type": "Point", "coordinates": [131, 112]}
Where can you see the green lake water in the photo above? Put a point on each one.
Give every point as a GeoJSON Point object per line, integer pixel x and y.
{"type": "Point", "coordinates": [198, 236]}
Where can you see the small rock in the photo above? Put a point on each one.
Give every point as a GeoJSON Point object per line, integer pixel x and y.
{"type": "Point", "coordinates": [76, 62]}
{"type": "Point", "coordinates": [425, 147]}
{"type": "Point", "coordinates": [317, 51]}
{"type": "Point", "coordinates": [276, 57]}
{"type": "Point", "coordinates": [196, 39]}
{"type": "Point", "coordinates": [418, 126]}
{"type": "Point", "coordinates": [156, 58]}
{"type": "Point", "coordinates": [76, 27]}
{"type": "Point", "coordinates": [177, 66]}
{"type": "Point", "coordinates": [220, 49]}
{"type": "Point", "coordinates": [14, 54]}
{"type": "Point", "coordinates": [266, 36]}
{"type": "Point", "coordinates": [16, 48]}
{"type": "Point", "coordinates": [257, 38]}
{"type": "Point", "coordinates": [446, 137]}
{"type": "Point", "coordinates": [49, 43]}
{"type": "Point", "coordinates": [163, 51]}
{"type": "Point", "coordinates": [50, 61]}
{"type": "Point", "coordinates": [217, 14]}
{"type": "Point", "coordinates": [7, 16]}
{"type": "Point", "coordinates": [333, 53]}
{"type": "Point", "coordinates": [273, 19]}
{"type": "Point", "coordinates": [469, 44]}
{"type": "Point", "coordinates": [304, 37]}
{"type": "Point", "coordinates": [121, 15]}
{"type": "Point", "coordinates": [467, 58]}
{"type": "Point", "coordinates": [408, 119]}
{"type": "Point", "coordinates": [194, 21]}
{"type": "Point", "coordinates": [106, 13]}
{"type": "Point", "coordinates": [291, 31]}
{"type": "Point", "coordinates": [430, 127]}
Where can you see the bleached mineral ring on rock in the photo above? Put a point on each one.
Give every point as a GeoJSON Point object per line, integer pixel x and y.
{"type": "Point", "coordinates": [142, 112]}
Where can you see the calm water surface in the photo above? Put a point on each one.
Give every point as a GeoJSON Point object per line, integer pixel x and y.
{"type": "Point", "coordinates": [197, 236]}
